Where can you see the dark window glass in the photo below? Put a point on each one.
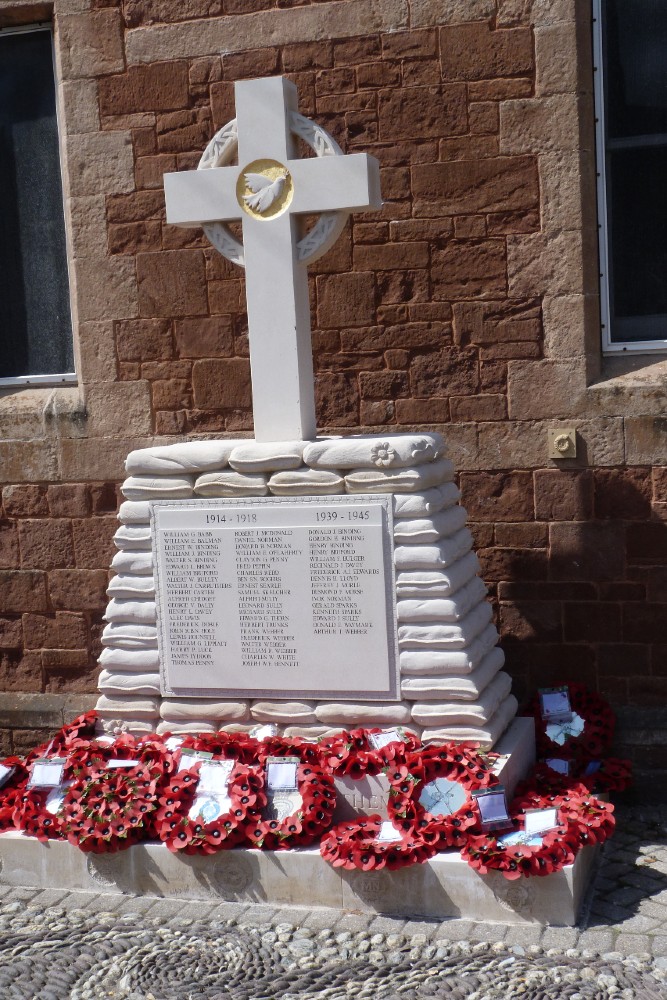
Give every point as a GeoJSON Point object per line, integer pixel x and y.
{"type": "Point", "coordinates": [635, 74]}
{"type": "Point", "coordinates": [35, 325]}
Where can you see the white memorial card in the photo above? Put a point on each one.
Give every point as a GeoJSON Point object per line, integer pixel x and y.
{"type": "Point", "coordinates": [492, 805]}
{"type": "Point", "coordinates": [555, 703]}
{"type": "Point", "coordinates": [380, 740]}
{"type": "Point", "coordinates": [264, 732]}
{"type": "Point", "coordinates": [592, 767]}
{"type": "Point", "coordinates": [558, 764]}
{"type": "Point", "coordinates": [5, 774]}
{"type": "Point", "coordinates": [47, 773]}
{"type": "Point", "coordinates": [540, 821]}
{"type": "Point", "coordinates": [276, 597]}
{"type": "Point", "coordinates": [214, 776]}
{"type": "Point", "coordinates": [519, 837]}
{"type": "Point", "coordinates": [118, 762]}
{"type": "Point", "coordinates": [56, 797]}
{"type": "Point", "coordinates": [281, 773]}
{"type": "Point", "coordinates": [189, 758]}
{"type": "Point", "coordinates": [388, 834]}
{"type": "Point", "coordinates": [173, 743]}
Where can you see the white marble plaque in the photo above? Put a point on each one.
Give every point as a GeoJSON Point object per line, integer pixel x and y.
{"type": "Point", "coordinates": [276, 597]}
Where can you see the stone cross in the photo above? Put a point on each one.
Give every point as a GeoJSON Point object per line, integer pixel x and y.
{"type": "Point", "coordinates": [267, 192]}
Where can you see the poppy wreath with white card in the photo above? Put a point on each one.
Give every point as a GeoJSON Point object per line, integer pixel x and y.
{"type": "Point", "coordinates": [433, 788]}
{"type": "Point", "coordinates": [514, 853]}
{"type": "Point", "coordinates": [110, 804]}
{"type": "Point", "coordinates": [591, 821]}
{"type": "Point", "coordinates": [207, 807]}
{"type": "Point", "coordinates": [13, 779]}
{"type": "Point", "coordinates": [587, 735]}
{"type": "Point", "coordinates": [371, 843]}
{"type": "Point", "coordinates": [38, 809]}
{"type": "Point", "coordinates": [299, 807]}
{"type": "Point", "coordinates": [360, 753]}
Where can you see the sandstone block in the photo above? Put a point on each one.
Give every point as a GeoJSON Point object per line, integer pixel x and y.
{"type": "Point", "coordinates": [105, 288]}
{"type": "Point", "coordinates": [204, 337]}
{"type": "Point", "coordinates": [143, 340]}
{"type": "Point", "coordinates": [68, 500]}
{"type": "Point", "coordinates": [538, 125]}
{"type": "Point", "coordinates": [587, 551]}
{"type": "Point", "coordinates": [45, 544]}
{"type": "Point", "coordinates": [428, 12]}
{"type": "Point", "coordinates": [345, 299]}
{"type": "Point", "coordinates": [471, 270]}
{"type": "Point", "coordinates": [9, 545]}
{"type": "Point", "coordinates": [561, 495]}
{"type": "Point", "coordinates": [22, 590]}
{"type": "Point", "coordinates": [155, 87]}
{"type": "Point", "coordinates": [172, 283]}
{"type": "Point", "coordinates": [91, 43]}
{"type": "Point", "coordinates": [221, 383]}
{"type": "Point", "coordinates": [496, 184]}
{"type": "Point", "coordinates": [80, 106]}
{"type": "Point", "coordinates": [498, 496]}
{"type": "Point", "coordinates": [475, 52]}
{"type": "Point", "coordinates": [100, 162]}
{"type": "Point", "coordinates": [422, 112]}
{"type": "Point", "coordinates": [93, 541]}
{"type": "Point", "coordinates": [77, 589]}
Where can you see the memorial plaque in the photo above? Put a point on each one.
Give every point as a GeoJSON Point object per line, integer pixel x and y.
{"type": "Point", "coordinates": [276, 597]}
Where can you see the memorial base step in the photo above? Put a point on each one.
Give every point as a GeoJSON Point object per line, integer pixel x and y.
{"type": "Point", "coordinates": [443, 887]}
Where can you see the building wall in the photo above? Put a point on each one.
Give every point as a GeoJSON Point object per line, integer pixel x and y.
{"type": "Point", "coordinates": [467, 304]}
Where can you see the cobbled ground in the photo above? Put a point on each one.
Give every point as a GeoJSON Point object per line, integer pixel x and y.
{"type": "Point", "coordinates": [85, 946]}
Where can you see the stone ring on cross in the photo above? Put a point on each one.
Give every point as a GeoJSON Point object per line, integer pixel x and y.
{"type": "Point", "coordinates": [220, 152]}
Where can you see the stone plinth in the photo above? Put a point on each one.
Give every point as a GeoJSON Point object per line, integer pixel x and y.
{"type": "Point", "coordinates": [452, 686]}
{"type": "Point", "coordinates": [443, 887]}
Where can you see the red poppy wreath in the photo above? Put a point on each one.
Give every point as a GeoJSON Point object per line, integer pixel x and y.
{"type": "Point", "coordinates": [294, 816]}
{"type": "Point", "coordinates": [433, 787]}
{"type": "Point", "coordinates": [110, 805]}
{"type": "Point", "coordinates": [363, 752]}
{"type": "Point", "coordinates": [590, 820]}
{"type": "Point", "coordinates": [371, 843]}
{"type": "Point", "coordinates": [208, 806]}
{"type": "Point", "coordinates": [514, 854]}
{"type": "Point", "coordinates": [586, 736]}
{"type": "Point", "coordinates": [14, 777]}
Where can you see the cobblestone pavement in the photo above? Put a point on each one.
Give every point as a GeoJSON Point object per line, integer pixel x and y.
{"type": "Point", "coordinates": [57, 945]}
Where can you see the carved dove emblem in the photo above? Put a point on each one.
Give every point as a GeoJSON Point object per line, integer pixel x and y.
{"type": "Point", "coordinates": [264, 191]}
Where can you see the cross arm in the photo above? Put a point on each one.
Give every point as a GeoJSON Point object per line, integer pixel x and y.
{"type": "Point", "coordinates": [335, 183]}
{"type": "Point", "coordinates": [195, 197]}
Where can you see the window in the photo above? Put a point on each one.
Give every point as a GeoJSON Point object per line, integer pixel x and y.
{"type": "Point", "coordinates": [35, 322]}
{"type": "Point", "coordinates": [631, 98]}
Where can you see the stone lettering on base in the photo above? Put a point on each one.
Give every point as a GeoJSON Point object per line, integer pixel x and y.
{"type": "Point", "coordinates": [276, 597]}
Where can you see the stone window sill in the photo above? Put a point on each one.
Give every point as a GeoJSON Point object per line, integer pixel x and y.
{"type": "Point", "coordinates": [642, 377]}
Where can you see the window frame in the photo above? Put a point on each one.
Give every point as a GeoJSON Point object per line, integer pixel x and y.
{"type": "Point", "coordinates": [63, 378]}
{"type": "Point", "coordinates": [609, 347]}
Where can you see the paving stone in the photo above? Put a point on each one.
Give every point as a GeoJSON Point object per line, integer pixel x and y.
{"type": "Point", "coordinates": [352, 922]}
{"type": "Point", "coordinates": [595, 940]}
{"type": "Point", "coordinates": [524, 934]}
{"type": "Point", "coordinates": [425, 927]}
{"type": "Point", "coordinates": [632, 944]}
{"type": "Point", "coordinates": [258, 913]}
{"type": "Point", "coordinates": [166, 909]}
{"type": "Point", "coordinates": [49, 897]}
{"type": "Point", "coordinates": [454, 930]}
{"type": "Point", "coordinates": [294, 915]}
{"type": "Point", "coordinates": [559, 937]}
{"type": "Point", "coordinates": [488, 932]}
{"type": "Point", "coordinates": [321, 919]}
{"type": "Point", "coordinates": [388, 925]}
{"type": "Point", "coordinates": [659, 943]}
{"type": "Point", "coordinates": [230, 911]}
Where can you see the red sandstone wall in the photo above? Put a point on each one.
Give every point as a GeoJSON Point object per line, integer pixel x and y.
{"type": "Point", "coordinates": [468, 303]}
